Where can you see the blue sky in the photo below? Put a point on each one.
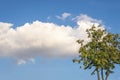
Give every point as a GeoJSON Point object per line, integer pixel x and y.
{"type": "Point", "coordinates": [41, 12]}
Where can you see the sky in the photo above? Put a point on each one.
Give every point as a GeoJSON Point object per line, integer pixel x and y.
{"type": "Point", "coordinates": [38, 37]}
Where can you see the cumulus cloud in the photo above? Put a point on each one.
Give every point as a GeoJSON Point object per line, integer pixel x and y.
{"type": "Point", "coordinates": [42, 39]}
{"type": "Point", "coordinates": [64, 16]}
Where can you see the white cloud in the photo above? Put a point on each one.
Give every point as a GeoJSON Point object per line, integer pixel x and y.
{"type": "Point", "coordinates": [86, 18]}
{"type": "Point", "coordinates": [4, 27]}
{"type": "Point", "coordinates": [41, 39]}
{"type": "Point", "coordinates": [64, 16]}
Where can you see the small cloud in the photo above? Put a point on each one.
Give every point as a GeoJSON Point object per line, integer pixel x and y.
{"type": "Point", "coordinates": [63, 16]}
{"type": "Point", "coordinates": [21, 62]}
{"type": "Point", "coordinates": [86, 18]}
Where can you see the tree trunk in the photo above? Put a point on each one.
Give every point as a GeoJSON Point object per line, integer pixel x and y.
{"type": "Point", "coordinates": [98, 74]}
{"type": "Point", "coordinates": [102, 74]}
{"type": "Point", "coordinates": [107, 74]}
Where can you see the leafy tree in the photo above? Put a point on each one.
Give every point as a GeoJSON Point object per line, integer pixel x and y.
{"type": "Point", "coordinates": [101, 53]}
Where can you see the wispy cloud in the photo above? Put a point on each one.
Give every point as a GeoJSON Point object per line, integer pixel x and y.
{"type": "Point", "coordinates": [64, 16]}
{"type": "Point", "coordinates": [86, 18]}
{"type": "Point", "coordinates": [42, 39]}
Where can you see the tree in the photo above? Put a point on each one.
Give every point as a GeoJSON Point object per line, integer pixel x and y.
{"type": "Point", "coordinates": [101, 53]}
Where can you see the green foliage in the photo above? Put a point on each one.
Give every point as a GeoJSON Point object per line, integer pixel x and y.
{"type": "Point", "coordinates": [101, 53]}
